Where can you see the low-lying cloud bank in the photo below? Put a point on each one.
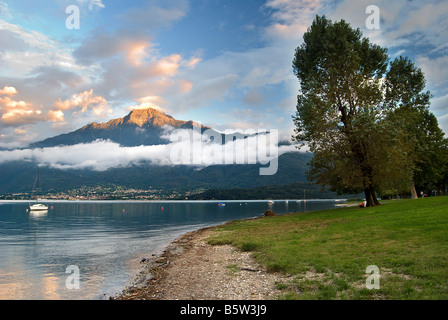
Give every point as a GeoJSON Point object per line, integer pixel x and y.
{"type": "Point", "coordinates": [184, 149]}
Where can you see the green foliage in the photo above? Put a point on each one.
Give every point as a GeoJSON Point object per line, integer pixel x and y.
{"type": "Point", "coordinates": [289, 191]}
{"type": "Point", "coordinates": [347, 112]}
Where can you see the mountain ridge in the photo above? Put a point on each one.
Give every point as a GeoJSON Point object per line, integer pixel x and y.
{"type": "Point", "coordinates": [141, 118]}
{"type": "Point", "coordinates": [139, 127]}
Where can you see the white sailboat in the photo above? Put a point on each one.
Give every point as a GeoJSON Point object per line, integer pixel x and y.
{"type": "Point", "coordinates": [37, 206]}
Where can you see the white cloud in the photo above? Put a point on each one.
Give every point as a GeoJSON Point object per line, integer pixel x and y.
{"type": "Point", "coordinates": [93, 3]}
{"type": "Point", "coordinates": [35, 50]}
{"type": "Point", "coordinates": [440, 104]}
{"type": "Point", "coordinates": [291, 19]}
{"type": "Point", "coordinates": [435, 69]}
{"type": "Point", "coordinates": [83, 102]}
{"type": "Point", "coordinates": [443, 123]}
{"type": "Point", "coordinates": [186, 148]}
{"type": "Point", "coordinates": [148, 102]}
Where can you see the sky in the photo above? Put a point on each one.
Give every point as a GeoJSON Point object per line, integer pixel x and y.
{"type": "Point", "coordinates": [224, 63]}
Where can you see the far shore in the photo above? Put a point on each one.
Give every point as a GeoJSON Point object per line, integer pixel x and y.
{"type": "Point", "coordinates": [169, 200]}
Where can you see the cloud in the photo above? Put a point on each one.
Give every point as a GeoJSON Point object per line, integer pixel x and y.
{"type": "Point", "coordinates": [148, 102]}
{"type": "Point", "coordinates": [93, 3]}
{"type": "Point", "coordinates": [4, 10]}
{"type": "Point", "coordinates": [248, 73]}
{"type": "Point", "coordinates": [185, 148]}
{"type": "Point", "coordinates": [254, 97]}
{"type": "Point", "coordinates": [84, 102]}
{"type": "Point", "coordinates": [205, 90]}
{"type": "Point", "coordinates": [290, 18]}
{"type": "Point", "coordinates": [8, 91]}
{"type": "Point", "coordinates": [130, 66]}
{"type": "Point", "coordinates": [440, 104]}
{"type": "Point", "coordinates": [167, 66]}
{"type": "Point", "coordinates": [11, 41]}
{"type": "Point", "coordinates": [56, 116]}
{"type": "Point", "coordinates": [26, 50]}
{"type": "Point", "coordinates": [193, 61]}
{"type": "Point", "coordinates": [443, 123]}
{"type": "Point", "coordinates": [102, 45]}
{"type": "Point", "coordinates": [435, 69]}
{"type": "Point", "coordinates": [15, 112]}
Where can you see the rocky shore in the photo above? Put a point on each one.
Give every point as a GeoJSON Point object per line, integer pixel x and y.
{"type": "Point", "coordinates": [191, 269]}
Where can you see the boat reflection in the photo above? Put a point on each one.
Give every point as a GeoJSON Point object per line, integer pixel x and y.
{"type": "Point", "coordinates": [38, 214]}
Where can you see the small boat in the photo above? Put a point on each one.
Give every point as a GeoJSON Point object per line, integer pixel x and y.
{"type": "Point", "coordinates": [270, 202]}
{"type": "Point", "coordinates": [221, 204]}
{"type": "Point", "coordinates": [37, 206]}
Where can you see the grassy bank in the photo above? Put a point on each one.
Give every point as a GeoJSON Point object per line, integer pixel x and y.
{"type": "Point", "coordinates": [327, 252]}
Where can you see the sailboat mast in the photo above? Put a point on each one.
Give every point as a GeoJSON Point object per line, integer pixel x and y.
{"type": "Point", "coordinates": [37, 185]}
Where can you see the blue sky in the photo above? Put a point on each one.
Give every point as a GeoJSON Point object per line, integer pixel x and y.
{"type": "Point", "coordinates": [225, 63]}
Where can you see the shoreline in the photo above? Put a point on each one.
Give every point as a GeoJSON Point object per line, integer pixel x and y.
{"type": "Point", "coordinates": [168, 200]}
{"type": "Point", "coordinates": [191, 269]}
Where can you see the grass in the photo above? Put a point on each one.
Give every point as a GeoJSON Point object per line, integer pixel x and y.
{"type": "Point", "coordinates": [327, 252]}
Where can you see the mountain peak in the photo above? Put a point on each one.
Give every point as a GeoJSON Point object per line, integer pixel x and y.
{"type": "Point", "coordinates": [150, 116]}
{"type": "Point", "coordinates": [123, 130]}
{"type": "Point", "coordinates": [140, 118]}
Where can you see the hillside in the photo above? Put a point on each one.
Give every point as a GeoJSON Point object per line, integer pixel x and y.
{"type": "Point", "coordinates": [289, 191]}
{"type": "Point", "coordinates": [19, 176]}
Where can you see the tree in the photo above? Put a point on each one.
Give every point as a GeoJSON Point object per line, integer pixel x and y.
{"type": "Point", "coordinates": [430, 153]}
{"type": "Point", "coordinates": [349, 91]}
{"type": "Point", "coordinates": [428, 147]}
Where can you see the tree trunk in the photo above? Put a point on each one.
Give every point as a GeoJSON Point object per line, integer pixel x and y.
{"type": "Point", "coordinates": [360, 152]}
{"type": "Point", "coordinates": [371, 197]}
{"type": "Point", "coordinates": [413, 191]}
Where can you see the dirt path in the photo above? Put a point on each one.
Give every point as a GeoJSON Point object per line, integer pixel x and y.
{"type": "Point", "coordinates": [191, 269]}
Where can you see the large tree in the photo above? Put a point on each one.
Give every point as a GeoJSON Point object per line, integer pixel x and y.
{"type": "Point", "coordinates": [349, 90]}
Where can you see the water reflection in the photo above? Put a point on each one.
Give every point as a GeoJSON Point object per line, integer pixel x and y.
{"type": "Point", "coordinates": [106, 240]}
{"type": "Point", "coordinates": [38, 214]}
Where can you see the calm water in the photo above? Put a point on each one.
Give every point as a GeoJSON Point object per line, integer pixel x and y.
{"type": "Point", "coordinates": [105, 240]}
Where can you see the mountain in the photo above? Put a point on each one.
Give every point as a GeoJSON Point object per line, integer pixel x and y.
{"type": "Point", "coordinates": [146, 127]}
{"type": "Point", "coordinates": [19, 176]}
{"type": "Point", "coordinates": [139, 127]}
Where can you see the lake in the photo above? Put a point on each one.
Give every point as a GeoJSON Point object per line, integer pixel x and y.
{"type": "Point", "coordinates": [104, 240]}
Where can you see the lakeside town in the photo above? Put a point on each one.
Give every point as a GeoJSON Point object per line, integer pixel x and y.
{"type": "Point", "coordinates": [111, 192]}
